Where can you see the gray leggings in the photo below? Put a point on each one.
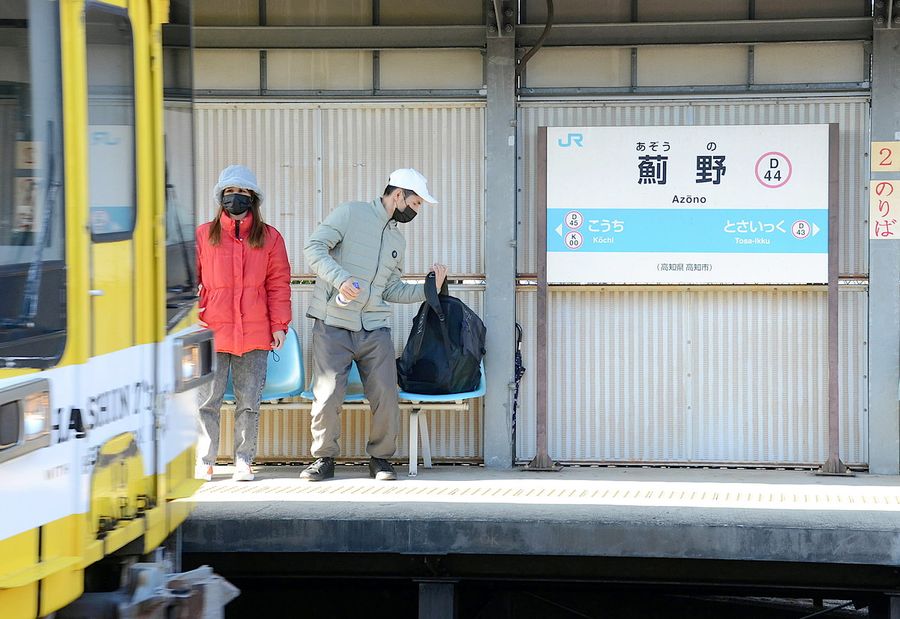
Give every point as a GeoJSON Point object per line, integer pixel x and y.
{"type": "Point", "coordinates": [249, 377]}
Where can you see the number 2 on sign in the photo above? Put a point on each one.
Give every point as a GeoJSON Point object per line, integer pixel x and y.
{"type": "Point", "coordinates": [884, 156]}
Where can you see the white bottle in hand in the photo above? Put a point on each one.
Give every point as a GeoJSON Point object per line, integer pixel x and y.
{"type": "Point", "coordinates": [340, 298]}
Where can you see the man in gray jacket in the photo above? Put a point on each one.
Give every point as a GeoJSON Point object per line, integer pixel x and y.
{"type": "Point", "coordinates": [357, 256]}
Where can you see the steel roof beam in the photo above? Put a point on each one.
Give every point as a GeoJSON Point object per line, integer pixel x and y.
{"type": "Point", "coordinates": [619, 34]}
{"type": "Point", "coordinates": [176, 35]}
{"type": "Point", "coordinates": [338, 37]}
{"type": "Point", "coordinates": [701, 32]}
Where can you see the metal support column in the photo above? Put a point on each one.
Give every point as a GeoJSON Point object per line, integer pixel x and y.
{"type": "Point", "coordinates": [833, 465]}
{"type": "Point", "coordinates": [542, 460]}
{"type": "Point", "coordinates": [437, 599]}
{"type": "Point", "coordinates": [500, 249]}
{"type": "Point", "coordinates": [884, 274]}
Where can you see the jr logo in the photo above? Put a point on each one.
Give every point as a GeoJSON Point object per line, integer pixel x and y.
{"type": "Point", "coordinates": [571, 138]}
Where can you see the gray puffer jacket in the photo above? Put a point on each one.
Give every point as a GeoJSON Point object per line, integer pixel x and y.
{"type": "Point", "coordinates": [357, 240]}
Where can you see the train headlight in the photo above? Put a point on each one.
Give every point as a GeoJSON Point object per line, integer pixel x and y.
{"type": "Point", "coordinates": [195, 360]}
{"type": "Point", "coordinates": [190, 362]}
{"type": "Point", "coordinates": [36, 414]}
{"type": "Point", "coordinates": [24, 418]}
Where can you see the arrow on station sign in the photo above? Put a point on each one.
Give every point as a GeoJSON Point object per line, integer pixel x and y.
{"type": "Point", "coordinates": [816, 229]}
{"type": "Point", "coordinates": [559, 230]}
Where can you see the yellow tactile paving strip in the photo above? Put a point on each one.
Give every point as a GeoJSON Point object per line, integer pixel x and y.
{"type": "Point", "coordinates": [545, 491]}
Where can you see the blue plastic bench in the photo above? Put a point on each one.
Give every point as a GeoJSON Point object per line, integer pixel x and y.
{"type": "Point", "coordinates": [285, 378]}
{"type": "Point", "coordinates": [284, 371]}
{"type": "Point", "coordinates": [354, 387]}
{"type": "Point", "coordinates": [417, 426]}
{"type": "Point", "coordinates": [416, 403]}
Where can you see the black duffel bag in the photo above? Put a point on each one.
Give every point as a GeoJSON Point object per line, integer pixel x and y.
{"type": "Point", "coordinates": [445, 346]}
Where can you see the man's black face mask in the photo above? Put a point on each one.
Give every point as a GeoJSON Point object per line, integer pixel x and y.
{"type": "Point", "coordinates": [404, 216]}
{"type": "Point", "coordinates": [236, 203]}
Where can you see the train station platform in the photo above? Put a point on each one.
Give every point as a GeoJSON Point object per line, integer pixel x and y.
{"type": "Point", "coordinates": [785, 526]}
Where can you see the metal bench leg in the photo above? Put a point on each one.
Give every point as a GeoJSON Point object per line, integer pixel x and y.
{"type": "Point", "coordinates": [426, 442]}
{"type": "Point", "coordinates": [414, 443]}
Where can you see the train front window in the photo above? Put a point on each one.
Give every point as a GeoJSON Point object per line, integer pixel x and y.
{"type": "Point", "coordinates": [111, 138]}
{"type": "Point", "coordinates": [32, 223]}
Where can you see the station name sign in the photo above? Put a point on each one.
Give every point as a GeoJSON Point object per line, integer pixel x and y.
{"type": "Point", "coordinates": [744, 204]}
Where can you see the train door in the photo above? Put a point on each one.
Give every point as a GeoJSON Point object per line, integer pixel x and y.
{"type": "Point", "coordinates": [111, 186]}
{"type": "Point", "coordinates": [122, 282]}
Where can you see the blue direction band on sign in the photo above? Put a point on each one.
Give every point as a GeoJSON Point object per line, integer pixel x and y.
{"type": "Point", "coordinates": [754, 231]}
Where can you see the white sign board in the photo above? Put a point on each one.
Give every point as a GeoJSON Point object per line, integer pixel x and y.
{"type": "Point", "coordinates": [688, 205]}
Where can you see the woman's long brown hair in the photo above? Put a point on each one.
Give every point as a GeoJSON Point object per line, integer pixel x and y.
{"type": "Point", "coordinates": [257, 229]}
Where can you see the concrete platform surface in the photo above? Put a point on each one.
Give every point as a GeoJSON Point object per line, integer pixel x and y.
{"type": "Point", "coordinates": [767, 515]}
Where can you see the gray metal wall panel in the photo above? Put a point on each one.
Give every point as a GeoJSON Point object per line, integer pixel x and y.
{"type": "Point", "coordinates": [761, 372]}
{"type": "Point", "coordinates": [852, 113]}
{"type": "Point", "coordinates": [853, 367]}
{"type": "Point", "coordinates": [696, 376]}
{"type": "Point", "coordinates": [526, 416]}
{"type": "Point", "coordinates": [276, 142]}
{"type": "Point", "coordinates": [356, 147]}
{"type": "Point", "coordinates": [364, 143]}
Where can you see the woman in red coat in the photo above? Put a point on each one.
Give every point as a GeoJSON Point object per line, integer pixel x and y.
{"type": "Point", "coordinates": [245, 298]}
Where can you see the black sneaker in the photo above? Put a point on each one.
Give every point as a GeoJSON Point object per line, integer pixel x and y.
{"type": "Point", "coordinates": [381, 469]}
{"type": "Point", "coordinates": [320, 470]}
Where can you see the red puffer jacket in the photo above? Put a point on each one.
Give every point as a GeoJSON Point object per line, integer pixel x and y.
{"type": "Point", "coordinates": [245, 293]}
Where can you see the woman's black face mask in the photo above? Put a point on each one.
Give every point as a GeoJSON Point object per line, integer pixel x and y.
{"type": "Point", "coordinates": [236, 203]}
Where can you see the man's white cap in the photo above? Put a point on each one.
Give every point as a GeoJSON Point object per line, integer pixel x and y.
{"type": "Point", "coordinates": [407, 178]}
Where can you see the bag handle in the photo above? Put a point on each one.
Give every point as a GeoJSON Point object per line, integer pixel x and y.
{"type": "Point", "coordinates": [431, 296]}
{"type": "Point", "coordinates": [434, 304]}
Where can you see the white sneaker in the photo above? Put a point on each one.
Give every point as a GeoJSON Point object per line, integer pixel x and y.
{"type": "Point", "coordinates": [203, 471]}
{"type": "Point", "coordinates": [242, 472]}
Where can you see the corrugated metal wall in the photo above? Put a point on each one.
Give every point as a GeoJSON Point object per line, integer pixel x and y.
{"type": "Point", "coordinates": [699, 375]}
{"type": "Point", "coordinates": [736, 376]}
{"type": "Point", "coordinates": [362, 145]}
{"type": "Point", "coordinates": [311, 157]}
{"type": "Point", "coordinates": [277, 143]}
{"type": "Point", "coordinates": [637, 375]}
